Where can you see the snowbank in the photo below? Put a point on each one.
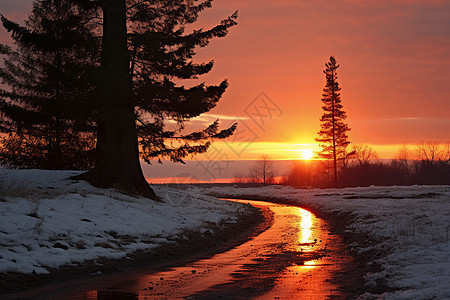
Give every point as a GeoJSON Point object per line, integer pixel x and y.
{"type": "Point", "coordinates": [408, 226]}
{"type": "Point", "coordinates": [48, 220]}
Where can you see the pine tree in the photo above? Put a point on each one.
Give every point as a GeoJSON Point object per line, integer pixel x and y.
{"type": "Point", "coordinates": [161, 56]}
{"type": "Point", "coordinates": [144, 56]}
{"type": "Point", "coordinates": [45, 106]}
{"type": "Point", "coordinates": [145, 51]}
{"type": "Point", "coordinates": [333, 137]}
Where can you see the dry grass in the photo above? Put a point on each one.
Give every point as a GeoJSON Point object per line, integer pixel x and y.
{"type": "Point", "coordinates": [13, 188]}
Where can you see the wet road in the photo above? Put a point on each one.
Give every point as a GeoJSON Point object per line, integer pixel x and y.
{"type": "Point", "coordinates": [293, 259]}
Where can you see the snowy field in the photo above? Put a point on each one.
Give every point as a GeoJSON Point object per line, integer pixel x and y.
{"type": "Point", "coordinates": [48, 220]}
{"type": "Point", "coordinates": [408, 226]}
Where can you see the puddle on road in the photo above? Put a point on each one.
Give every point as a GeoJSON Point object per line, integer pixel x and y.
{"type": "Point", "coordinates": [293, 259]}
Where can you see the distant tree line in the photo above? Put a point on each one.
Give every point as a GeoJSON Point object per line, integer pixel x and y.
{"type": "Point", "coordinates": [426, 163]}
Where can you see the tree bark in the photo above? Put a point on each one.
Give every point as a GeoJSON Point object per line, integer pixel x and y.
{"type": "Point", "coordinates": [117, 159]}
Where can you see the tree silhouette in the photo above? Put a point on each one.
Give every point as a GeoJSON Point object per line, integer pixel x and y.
{"type": "Point", "coordinates": [432, 164]}
{"type": "Point", "coordinates": [333, 137]}
{"type": "Point", "coordinates": [144, 50]}
{"type": "Point", "coordinates": [45, 104]}
{"type": "Point", "coordinates": [144, 56]}
{"type": "Point", "coordinates": [263, 171]}
{"type": "Point", "coordinates": [363, 155]}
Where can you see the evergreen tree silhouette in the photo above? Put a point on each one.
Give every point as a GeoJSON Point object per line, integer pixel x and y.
{"type": "Point", "coordinates": [144, 55]}
{"type": "Point", "coordinates": [144, 51]}
{"type": "Point", "coordinates": [333, 137]}
{"type": "Point", "coordinates": [45, 105]}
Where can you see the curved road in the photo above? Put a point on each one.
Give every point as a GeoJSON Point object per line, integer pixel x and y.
{"type": "Point", "coordinates": [294, 259]}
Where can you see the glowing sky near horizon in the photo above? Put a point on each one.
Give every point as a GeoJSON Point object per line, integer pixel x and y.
{"type": "Point", "coordinates": [395, 69]}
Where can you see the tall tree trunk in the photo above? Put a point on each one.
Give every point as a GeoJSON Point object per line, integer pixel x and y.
{"type": "Point", "coordinates": [333, 99]}
{"type": "Point", "coordinates": [117, 160]}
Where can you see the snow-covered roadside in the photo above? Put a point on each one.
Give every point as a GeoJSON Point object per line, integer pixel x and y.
{"type": "Point", "coordinates": [407, 226]}
{"type": "Point", "coordinates": [48, 220]}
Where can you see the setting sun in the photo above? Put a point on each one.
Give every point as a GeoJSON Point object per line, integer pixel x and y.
{"type": "Point", "coordinates": [307, 154]}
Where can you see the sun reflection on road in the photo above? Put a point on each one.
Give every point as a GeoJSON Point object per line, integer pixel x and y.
{"type": "Point", "coordinates": [309, 264]}
{"type": "Point", "coordinates": [305, 226]}
{"type": "Point", "coordinates": [293, 259]}
{"type": "Point", "coordinates": [308, 279]}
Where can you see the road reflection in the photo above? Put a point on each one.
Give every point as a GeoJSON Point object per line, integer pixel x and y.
{"type": "Point", "coordinates": [306, 222]}
{"type": "Point", "coordinates": [293, 259]}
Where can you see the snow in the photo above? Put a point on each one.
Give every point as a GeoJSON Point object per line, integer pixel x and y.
{"type": "Point", "coordinates": [408, 226]}
{"type": "Point", "coordinates": [48, 220]}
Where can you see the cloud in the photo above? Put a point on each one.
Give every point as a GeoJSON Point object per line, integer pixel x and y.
{"type": "Point", "coordinates": [208, 117]}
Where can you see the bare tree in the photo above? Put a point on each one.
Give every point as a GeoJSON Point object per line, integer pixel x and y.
{"type": "Point", "coordinates": [364, 154]}
{"type": "Point", "coordinates": [263, 171]}
{"type": "Point", "coordinates": [432, 163]}
{"type": "Point", "coordinates": [432, 153]}
{"type": "Point", "coordinates": [403, 158]}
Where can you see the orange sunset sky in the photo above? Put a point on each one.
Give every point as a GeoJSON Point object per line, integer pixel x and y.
{"type": "Point", "coordinates": [394, 74]}
{"type": "Point", "coordinates": [394, 58]}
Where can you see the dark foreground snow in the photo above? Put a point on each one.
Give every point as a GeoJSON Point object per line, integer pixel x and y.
{"type": "Point", "coordinates": [48, 220]}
